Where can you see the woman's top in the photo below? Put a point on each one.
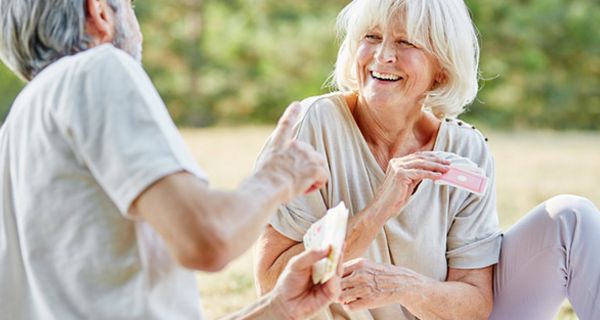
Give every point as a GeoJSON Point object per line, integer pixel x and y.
{"type": "Point", "coordinates": [439, 227]}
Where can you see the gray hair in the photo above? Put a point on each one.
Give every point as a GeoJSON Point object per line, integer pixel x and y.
{"type": "Point", "coordinates": [35, 33]}
{"type": "Point", "coordinates": [441, 27]}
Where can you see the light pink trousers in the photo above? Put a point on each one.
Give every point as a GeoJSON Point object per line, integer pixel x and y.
{"type": "Point", "coordinates": [551, 254]}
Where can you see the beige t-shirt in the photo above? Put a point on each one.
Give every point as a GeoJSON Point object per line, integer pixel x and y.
{"type": "Point", "coordinates": [439, 227]}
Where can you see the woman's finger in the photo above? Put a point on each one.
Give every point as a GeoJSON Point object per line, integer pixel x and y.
{"type": "Point", "coordinates": [352, 265]}
{"type": "Point", "coordinates": [353, 294]}
{"type": "Point", "coordinates": [424, 165]}
{"type": "Point", "coordinates": [428, 155]}
{"type": "Point", "coordinates": [359, 304]}
{"type": "Point", "coordinates": [419, 175]}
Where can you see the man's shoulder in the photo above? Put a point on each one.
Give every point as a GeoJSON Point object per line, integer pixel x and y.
{"type": "Point", "coordinates": [103, 53]}
{"type": "Point", "coordinates": [104, 58]}
{"type": "Point", "coordinates": [94, 61]}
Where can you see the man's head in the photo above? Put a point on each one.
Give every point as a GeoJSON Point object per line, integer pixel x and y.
{"type": "Point", "coordinates": [34, 33]}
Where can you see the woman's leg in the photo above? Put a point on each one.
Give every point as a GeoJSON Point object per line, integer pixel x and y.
{"type": "Point", "coordinates": [551, 254]}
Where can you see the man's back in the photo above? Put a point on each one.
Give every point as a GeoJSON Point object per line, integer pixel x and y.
{"type": "Point", "coordinates": [83, 139]}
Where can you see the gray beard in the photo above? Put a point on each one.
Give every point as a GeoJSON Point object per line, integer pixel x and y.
{"type": "Point", "coordinates": [122, 36]}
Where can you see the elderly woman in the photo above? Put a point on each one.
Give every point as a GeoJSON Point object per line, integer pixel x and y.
{"type": "Point", "coordinates": [414, 248]}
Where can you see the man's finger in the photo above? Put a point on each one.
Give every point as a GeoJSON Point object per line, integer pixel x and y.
{"type": "Point", "coordinates": [307, 258]}
{"type": "Point", "coordinates": [339, 271]}
{"type": "Point", "coordinates": [320, 179]}
{"type": "Point", "coordinates": [314, 187]}
{"type": "Point", "coordinates": [284, 130]}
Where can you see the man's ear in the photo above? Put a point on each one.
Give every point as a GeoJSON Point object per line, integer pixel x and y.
{"type": "Point", "coordinates": [99, 21]}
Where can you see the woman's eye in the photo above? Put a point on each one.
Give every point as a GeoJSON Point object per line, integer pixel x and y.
{"type": "Point", "coordinates": [372, 37]}
{"type": "Point", "coordinates": [406, 43]}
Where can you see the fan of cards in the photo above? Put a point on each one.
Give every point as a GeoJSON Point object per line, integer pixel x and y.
{"type": "Point", "coordinates": [463, 174]}
{"type": "Point", "coordinates": [328, 231]}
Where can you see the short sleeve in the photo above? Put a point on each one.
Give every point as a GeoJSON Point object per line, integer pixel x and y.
{"type": "Point", "coordinates": [120, 129]}
{"type": "Point", "coordinates": [474, 237]}
{"type": "Point", "coordinates": [293, 219]}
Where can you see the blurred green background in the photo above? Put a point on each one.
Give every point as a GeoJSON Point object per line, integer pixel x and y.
{"type": "Point", "coordinates": [231, 62]}
{"type": "Point", "coordinates": [243, 61]}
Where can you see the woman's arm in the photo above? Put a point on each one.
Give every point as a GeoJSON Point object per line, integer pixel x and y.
{"type": "Point", "coordinates": [273, 251]}
{"type": "Point", "coordinates": [466, 293]}
{"type": "Point", "coordinates": [402, 177]}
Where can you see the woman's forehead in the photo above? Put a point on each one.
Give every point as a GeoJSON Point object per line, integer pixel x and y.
{"type": "Point", "coordinates": [384, 18]}
{"type": "Point", "coordinates": [394, 25]}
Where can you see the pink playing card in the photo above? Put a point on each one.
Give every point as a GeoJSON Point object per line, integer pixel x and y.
{"type": "Point", "coordinates": [465, 179]}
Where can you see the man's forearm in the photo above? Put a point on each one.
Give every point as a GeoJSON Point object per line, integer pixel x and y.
{"type": "Point", "coordinates": [250, 207]}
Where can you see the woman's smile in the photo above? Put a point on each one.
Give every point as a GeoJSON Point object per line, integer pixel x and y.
{"type": "Point", "coordinates": [387, 77]}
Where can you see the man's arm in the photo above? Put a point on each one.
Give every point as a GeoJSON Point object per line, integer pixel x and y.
{"type": "Point", "coordinates": [205, 229]}
{"type": "Point", "coordinates": [295, 296]}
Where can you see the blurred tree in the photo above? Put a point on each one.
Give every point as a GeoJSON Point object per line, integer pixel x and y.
{"type": "Point", "coordinates": [542, 59]}
{"type": "Point", "coordinates": [10, 86]}
{"type": "Point", "coordinates": [244, 60]}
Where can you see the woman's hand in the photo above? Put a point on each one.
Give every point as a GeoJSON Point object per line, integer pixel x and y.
{"type": "Point", "coordinates": [368, 285]}
{"type": "Point", "coordinates": [402, 177]}
{"type": "Point", "coordinates": [296, 297]}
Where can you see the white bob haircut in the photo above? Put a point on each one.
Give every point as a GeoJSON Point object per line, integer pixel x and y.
{"type": "Point", "coordinates": [440, 27]}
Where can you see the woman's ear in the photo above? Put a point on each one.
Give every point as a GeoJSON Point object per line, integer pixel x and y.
{"type": "Point", "coordinates": [440, 78]}
{"type": "Point", "coordinates": [99, 21]}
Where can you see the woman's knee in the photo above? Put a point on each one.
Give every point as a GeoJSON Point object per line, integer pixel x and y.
{"type": "Point", "coordinates": [566, 203]}
{"type": "Point", "coordinates": [572, 207]}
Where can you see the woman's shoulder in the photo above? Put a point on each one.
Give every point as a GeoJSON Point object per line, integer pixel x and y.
{"type": "Point", "coordinates": [323, 108]}
{"type": "Point", "coordinates": [465, 139]}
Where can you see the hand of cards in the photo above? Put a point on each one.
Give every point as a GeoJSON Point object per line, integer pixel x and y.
{"type": "Point", "coordinates": [328, 231]}
{"type": "Point", "coordinates": [463, 174]}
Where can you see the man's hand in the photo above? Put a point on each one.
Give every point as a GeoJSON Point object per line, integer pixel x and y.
{"type": "Point", "coordinates": [295, 296]}
{"type": "Point", "coordinates": [295, 162]}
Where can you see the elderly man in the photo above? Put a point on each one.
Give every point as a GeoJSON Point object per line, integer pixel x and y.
{"type": "Point", "coordinates": [102, 208]}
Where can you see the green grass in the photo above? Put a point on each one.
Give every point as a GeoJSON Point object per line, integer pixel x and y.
{"type": "Point", "coordinates": [530, 167]}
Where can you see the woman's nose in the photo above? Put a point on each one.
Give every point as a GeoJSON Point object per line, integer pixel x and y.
{"type": "Point", "coordinates": [385, 53]}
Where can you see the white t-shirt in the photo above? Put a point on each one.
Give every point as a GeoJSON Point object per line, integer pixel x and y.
{"type": "Point", "coordinates": [439, 227]}
{"type": "Point", "coordinates": [81, 142]}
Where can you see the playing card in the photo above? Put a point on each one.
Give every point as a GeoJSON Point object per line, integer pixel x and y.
{"type": "Point", "coordinates": [328, 231]}
{"type": "Point", "coordinates": [467, 179]}
{"type": "Point", "coordinates": [470, 168]}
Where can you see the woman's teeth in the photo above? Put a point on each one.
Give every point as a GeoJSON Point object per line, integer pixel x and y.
{"type": "Point", "coordinates": [385, 76]}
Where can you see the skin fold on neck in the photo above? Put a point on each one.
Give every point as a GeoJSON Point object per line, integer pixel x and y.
{"type": "Point", "coordinates": [394, 132]}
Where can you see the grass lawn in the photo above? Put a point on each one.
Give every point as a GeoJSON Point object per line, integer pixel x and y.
{"type": "Point", "coordinates": [530, 167]}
